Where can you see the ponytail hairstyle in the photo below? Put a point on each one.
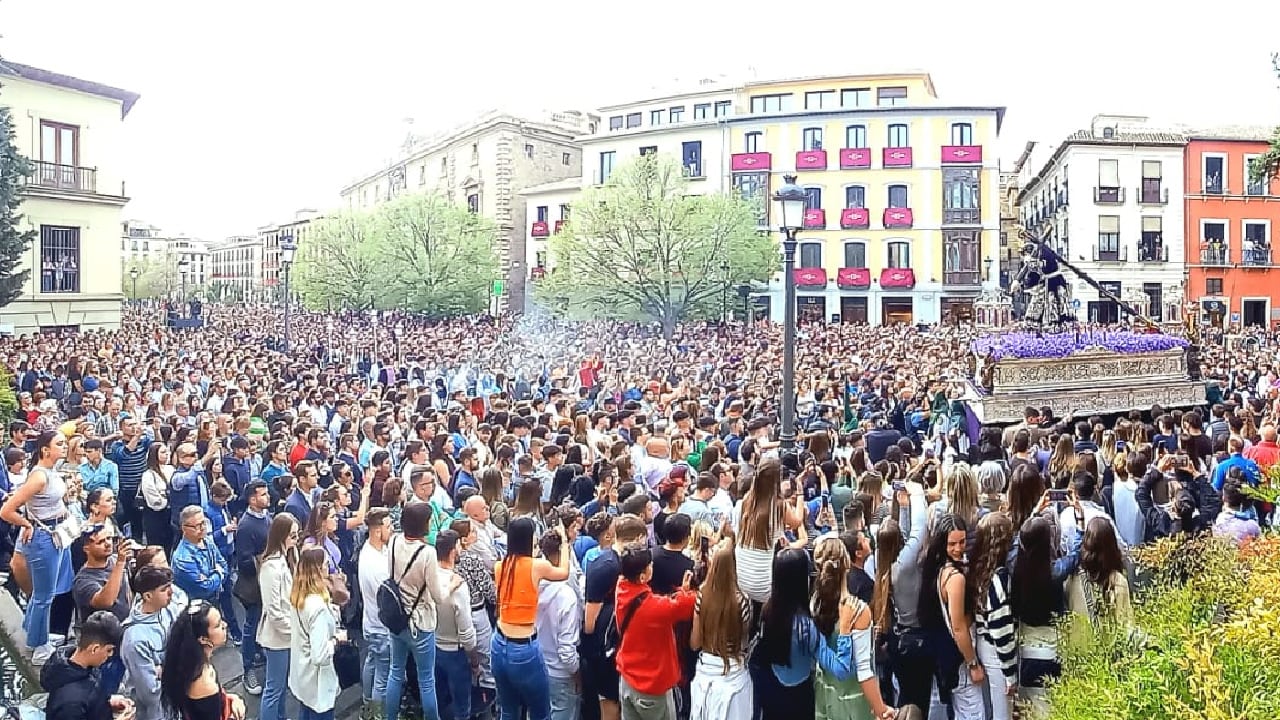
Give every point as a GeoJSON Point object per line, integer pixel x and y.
{"type": "Point", "coordinates": [889, 543]}
{"type": "Point", "coordinates": [831, 559]}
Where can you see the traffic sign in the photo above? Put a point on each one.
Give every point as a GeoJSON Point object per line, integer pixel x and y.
{"type": "Point", "coordinates": [497, 287]}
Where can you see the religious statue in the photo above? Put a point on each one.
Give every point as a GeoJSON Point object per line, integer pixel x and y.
{"type": "Point", "coordinates": [1049, 295]}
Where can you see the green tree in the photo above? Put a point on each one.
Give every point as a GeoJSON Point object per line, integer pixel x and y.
{"type": "Point", "coordinates": [1267, 167]}
{"type": "Point", "coordinates": [337, 265]}
{"type": "Point", "coordinates": [155, 278]}
{"type": "Point", "coordinates": [641, 246]}
{"type": "Point", "coordinates": [14, 241]}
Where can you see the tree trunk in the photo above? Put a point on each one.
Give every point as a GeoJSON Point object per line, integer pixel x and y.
{"type": "Point", "coordinates": [668, 323]}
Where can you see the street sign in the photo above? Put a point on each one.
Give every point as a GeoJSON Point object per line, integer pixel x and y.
{"type": "Point", "coordinates": [1235, 317]}
{"type": "Point", "coordinates": [497, 287]}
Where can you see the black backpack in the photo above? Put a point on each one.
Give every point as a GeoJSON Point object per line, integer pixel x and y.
{"type": "Point", "coordinates": [613, 632]}
{"type": "Point", "coordinates": [391, 610]}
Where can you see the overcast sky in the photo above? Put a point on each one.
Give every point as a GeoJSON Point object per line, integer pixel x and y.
{"type": "Point", "coordinates": [252, 109]}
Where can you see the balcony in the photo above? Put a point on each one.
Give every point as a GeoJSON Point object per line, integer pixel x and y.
{"type": "Point", "coordinates": [897, 278]}
{"type": "Point", "coordinates": [853, 278]}
{"type": "Point", "coordinates": [1255, 257]}
{"type": "Point", "coordinates": [962, 154]}
{"type": "Point", "coordinates": [809, 277]}
{"type": "Point", "coordinates": [558, 227]}
{"type": "Point", "coordinates": [750, 162]}
{"type": "Point", "coordinates": [1159, 254]}
{"type": "Point", "coordinates": [855, 218]}
{"type": "Point", "coordinates": [962, 278]}
{"type": "Point", "coordinates": [815, 219]}
{"type": "Point", "coordinates": [961, 216]}
{"type": "Point", "coordinates": [68, 178]}
{"type": "Point", "coordinates": [537, 272]}
{"type": "Point", "coordinates": [1213, 186]}
{"type": "Point", "coordinates": [540, 229]}
{"type": "Point", "coordinates": [693, 171]}
{"type": "Point", "coordinates": [898, 157]}
{"type": "Point", "coordinates": [1108, 195]}
{"type": "Point", "coordinates": [811, 160]}
{"type": "Point", "coordinates": [1110, 255]}
{"type": "Point", "coordinates": [1214, 255]}
{"type": "Point", "coordinates": [1152, 195]}
{"type": "Point", "coordinates": [898, 218]}
{"type": "Point", "coordinates": [855, 158]}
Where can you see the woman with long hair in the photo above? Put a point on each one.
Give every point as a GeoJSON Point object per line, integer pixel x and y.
{"type": "Point", "coordinates": [528, 505]}
{"type": "Point", "coordinates": [154, 488]}
{"type": "Point", "coordinates": [322, 532]}
{"type": "Point", "coordinates": [414, 566]}
{"type": "Point", "coordinates": [312, 678]}
{"type": "Point", "coordinates": [791, 643]}
{"type": "Point", "coordinates": [189, 687]}
{"type": "Point", "coordinates": [1062, 463]}
{"type": "Point", "coordinates": [996, 631]}
{"type": "Point", "coordinates": [518, 668]}
{"type": "Point", "coordinates": [37, 509]}
{"type": "Point", "coordinates": [857, 698]}
{"type": "Point", "coordinates": [946, 614]}
{"type": "Point", "coordinates": [1099, 590]}
{"type": "Point", "coordinates": [763, 517]}
{"type": "Point", "coordinates": [721, 687]}
{"type": "Point", "coordinates": [896, 596]}
{"type": "Point", "coordinates": [1036, 597]}
{"type": "Point", "coordinates": [100, 508]}
{"type": "Point", "coordinates": [275, 630]}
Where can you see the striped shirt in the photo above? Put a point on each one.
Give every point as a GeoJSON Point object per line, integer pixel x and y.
{"type": "Point", "coordinates": [131, 463]}
{"type": "Point", "coordinates": [996, 625]}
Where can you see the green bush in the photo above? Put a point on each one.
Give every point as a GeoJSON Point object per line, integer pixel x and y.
{"type": "Point", "coordinates": [8, 398]}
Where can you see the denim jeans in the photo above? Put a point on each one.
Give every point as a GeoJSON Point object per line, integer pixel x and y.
{"type": "Point", "coordinates": [484, 647]}
{"type": "Point", "coordinates": [453, 672]}
{"type": "Point", "coordinates": [377, 665]}
{"type": "Point", "coordinates": [112, 674]}
{"type": "Point", "coordinates": [249, 637]}
{"type": "Point", "coordinates": [228, 607]}
{"type": "Point", "coordinates": [423, 647]}
{"type": "Point", "coordinates": [274, 684]}
{"type": "Point", "coordinates": [50, 575]}
{"type": "Point", "coordinates": [565, 701]}
{"type": "Point", "coordinates": [306, 713]}
{"type": "Point", "coordinates": [521, 678]}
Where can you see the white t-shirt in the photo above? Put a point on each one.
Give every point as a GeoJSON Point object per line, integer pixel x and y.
{"type": "Point", "coordinates": [374, 569]}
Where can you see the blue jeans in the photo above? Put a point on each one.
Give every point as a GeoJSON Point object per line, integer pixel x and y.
{"type": "Point", "coordinates": [423, 647]}
{"type": "Point", "coordinates": [112, 674]}
{"type": "Point", "coordinates": [521, 678]}
{"type": "Point", "coordinates": [50, 575]}
{"type": "Point", "coordinates": [453, 671]}
{"type": "Point", "coordinates": [306, 713]}
{"type": "Point", "coordinates": [377, 665]}
{"type": "Point", "coordinates": [228, 608]}
{"type": "Point", "coordinates": [566, 702]}
{"type": "Point", "coordinates": [275, 684]}
{"type": "Point", "coordinates": [249, 637]}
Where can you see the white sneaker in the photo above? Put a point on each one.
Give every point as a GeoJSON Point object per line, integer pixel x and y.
{"type": "Point", "coordinates": [41, 655]}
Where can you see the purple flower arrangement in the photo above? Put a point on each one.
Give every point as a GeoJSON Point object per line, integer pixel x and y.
{"type": "Point", "coordinates": [1059, 345]}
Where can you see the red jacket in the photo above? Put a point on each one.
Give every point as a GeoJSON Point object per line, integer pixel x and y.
{"type": "Point", "coordinates": [1265, 454]}
{"type": "Point", "coordinates": [647, 657]}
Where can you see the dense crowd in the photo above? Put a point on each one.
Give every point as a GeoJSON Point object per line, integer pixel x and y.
{"type": "Point", "coordinates": [529, 517]}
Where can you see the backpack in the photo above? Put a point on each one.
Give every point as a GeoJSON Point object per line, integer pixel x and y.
{"type": "Point", "coordinates": [391, 610]}
{"type": "Point", "coordinates": [614, 632]}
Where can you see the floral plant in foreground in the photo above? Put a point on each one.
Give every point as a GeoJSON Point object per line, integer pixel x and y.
{"type": "Point", "coordinates": [1061, 345]}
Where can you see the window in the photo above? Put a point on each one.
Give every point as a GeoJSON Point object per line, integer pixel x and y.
{"type": "Point", "coordinates": [1108, 181]}
{"type": "Point", "coordinates": [898, 196]}
{"type": "Point", "coordinates": [1151, 245]}
{"type": "Point", "coordinates": [565, 158]}
{"type": "Point", "coordinates": [59, 259]}
{"type": "Point", "coordinates": [1108, 237]}
{"type": "Point", "coordinates": [891, 96]}
{"type": "Point", "coordinates": [607, 160]}
{"type": "Point", "coordinates": [655, 117]}
{"type": "Point", "coordinates": [528, 150]}
{"type": "Point", "coordinates": [564, 211]}
{"type": "Point", "coordinates": [855, 196]}
{"type": "Point", "coordinates": [1256, 245]}
{"type": "Point", "coordinates": [811, 255]}
{"type": "Point", "coordinates": [961, 196]}
{"type": "Point", "coordinates": [444, 166]}
{"type": "Point", "coordinates": [1214, 174]}
{"type": "Point", "coordinates": [1213, 231]}
{"type": "Point", "coordinates": [723, 107]}
{"type": "Point", "coordinates": [1251, 186]}
{"type": "Point", "coordinates": [701, 111]}
{"type": "Point", "coordinates": [647, 150]}
{"type": "Point", "coordinates": [615, 122]}
{"type": "Point", "coordinates": [59, 144]}
{"type": "Point", "coordinates": [422, 174]}
{"type": "Point", "coordinates": [855, 136]}
{"type": "Point", "coordinates": [475, 153]}
{"type": "Point", "coordinates": [899, 254]}
{"type": "Point", "coordinates": [754, 188]}
{"type": "Point", "coordinates": [633, 120]}
{"type": "Point", "coordinates": [676, 114]}
{"type": "Point", "coordinates": [961, 134]}
{"type": "Point", "coordinates": [855, 97]}
{"type": "Point", "coordinates": [1213, 286]}
{"type": "Point", "coordinates": [1152, 170]}
{"type": "Point", "coordinates": [960, 257]}
{"type": "Point", "coordinates": [855, 254]}
{"type": "Point", "coordinates": [542, 213]}
{"type": "Point", "coordinates": [812, 138]}
{"type": "Point", "coordinates": [899, 137]}
{"type": "Point", "coordinates": [691, 154]}
{"type": "Point", "coordinates": [770, 103]}
{"type": "Point", "coordinates": [820, 100]}
{"type": "Point", "coordinates": [752, 141]}
{"type": "Point", "coordinates": [813, 198]}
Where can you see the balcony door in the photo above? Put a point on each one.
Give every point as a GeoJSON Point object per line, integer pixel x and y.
{"type": "Point", "coordinates": [59, 154]}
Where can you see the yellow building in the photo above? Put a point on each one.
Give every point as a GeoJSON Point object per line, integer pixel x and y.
{"type": "Point", "coordinates": [903, 209]}
{"type": "Point", "coordinates": [70, 130]}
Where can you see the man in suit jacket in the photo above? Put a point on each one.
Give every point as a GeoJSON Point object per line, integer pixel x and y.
{"type": "Point", "coordinates": [302, 499]}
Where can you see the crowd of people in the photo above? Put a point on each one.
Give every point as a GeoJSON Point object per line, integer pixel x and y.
{"type": "Point", "coordinates": [508, 517]}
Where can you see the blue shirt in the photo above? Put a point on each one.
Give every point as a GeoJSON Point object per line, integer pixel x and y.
{"type": "Point", "coordinates": [107, 474]}
{"type": "Point", "coordinates": [1247, 466]}
{"type": "Point", "coordinates": [199, 571]}
{"type": "Point", "coordinates": [808, 647]}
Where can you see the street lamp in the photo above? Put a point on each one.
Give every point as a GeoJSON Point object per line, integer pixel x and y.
{"type": "Point", "coordinates": [133, 275]}
{"type": "Point", "coordinates": [989, 262]}
{"type": "Point", "coordinates": [287, 248]}
{"type": "Point", "coordinates": [789, 208]}
{"type": "Point", "coordinates": [183, 265]}
{"type": "Point", "coordinates": [744, 293]}
{"type": "Point", "coordinates": [724, 290]}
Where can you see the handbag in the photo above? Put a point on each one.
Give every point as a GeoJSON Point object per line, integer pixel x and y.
{"type": "Point", "coordinates": [339, 593]}
{"type": "Point", "coordinates": [65, 532]}
{"type": "Point", "coordinates": [247, 589]}
{"type": "Point", "coordinates": [346, 663]}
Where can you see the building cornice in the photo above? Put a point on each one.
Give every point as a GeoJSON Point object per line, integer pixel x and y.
{"type": "Point", "coordinates": [897, 111]}
{"type": "Point", "coordinates": [1074, 141]}
{"type": "Point", "coordinates": [126, 98]}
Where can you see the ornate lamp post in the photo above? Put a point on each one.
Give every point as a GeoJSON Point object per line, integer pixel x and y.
{"type": "Point", "coordinates": [183, 266]}
{"type": "Point", "coordinates": [133, 276]}
{"type": "Point", "coordinates": [287, 248]}
{"type": "Point", "coordinates": [789, 205]}
{"type": "Point", "coordinates": [724, 290]}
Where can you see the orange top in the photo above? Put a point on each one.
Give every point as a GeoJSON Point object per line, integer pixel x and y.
{"type": "Point", "coordinates": [517, 602]}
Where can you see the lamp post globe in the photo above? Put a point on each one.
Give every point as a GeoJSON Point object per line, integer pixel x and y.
{"type": "Point", "coordinates": [789, 211]}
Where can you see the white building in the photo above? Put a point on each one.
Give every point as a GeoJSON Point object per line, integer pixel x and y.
{"type": "Point", "coordinates": [1110, 200]}
{"type": "Point", "coordinates": [547, 206]}
{"type": "Point", "coordinates": [180, 258]}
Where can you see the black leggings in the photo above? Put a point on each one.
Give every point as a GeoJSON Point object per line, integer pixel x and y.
{"type": "Point", "coordinates": [913, 666]}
